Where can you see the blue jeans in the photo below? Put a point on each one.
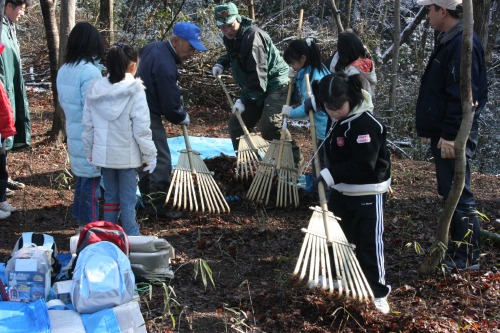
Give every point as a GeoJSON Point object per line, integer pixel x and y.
{"type": "Point", "coordinates": [86, 200]}
{"type": "Point", "coordinates": [120, 197]}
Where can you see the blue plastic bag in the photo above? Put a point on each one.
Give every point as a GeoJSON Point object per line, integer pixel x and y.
{"type": "Point", "coordinates": [24, 317]}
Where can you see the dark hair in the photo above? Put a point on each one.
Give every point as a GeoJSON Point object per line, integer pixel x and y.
{"type": "Point", "coordinates": [84, 43]}
{"type": "Point", "coordinates": [16, 3]}
{"type": "Point", "coordinates": [335, 89]}
{"type": "Point", "coordinates": [453, 13]}
{"type": "Point", "coordinates": [349, 49]}
{"type": "Point", "coordinates": [118, 59]}
{"type": "Point", "coordinates": [298, 48]}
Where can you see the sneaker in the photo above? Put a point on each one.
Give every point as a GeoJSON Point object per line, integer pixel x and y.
{"type": "Point", "coordinates": [9, 192]}
{"type": "Point", "coordinates": [382, 305]}
{"type": "Point", "coordinates": [13, 185]}
{"type": "Point", "coordinates": [319, 283]}
{"type": "Point", "coordinates": [4, 215]}
{"type": "Point", "coordinates": [7, 207]}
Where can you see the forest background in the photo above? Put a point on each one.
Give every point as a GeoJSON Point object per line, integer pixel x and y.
{"type": "Point", "coordinates": [252, 250]}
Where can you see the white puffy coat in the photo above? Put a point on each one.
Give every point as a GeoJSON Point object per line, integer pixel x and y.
{"type": "Point", "coordinates": [116, 124]}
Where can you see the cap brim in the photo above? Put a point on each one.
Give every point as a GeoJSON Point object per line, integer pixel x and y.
{"type": "Point", "coordinates": [197, 45]}
{"type": "Point", "coordinates": [230, 20]}
{"type": "Point", "coordinates": [424, 2]}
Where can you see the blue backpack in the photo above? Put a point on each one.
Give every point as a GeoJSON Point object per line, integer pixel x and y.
{"type": "Point", "coordinates": [102, 278]}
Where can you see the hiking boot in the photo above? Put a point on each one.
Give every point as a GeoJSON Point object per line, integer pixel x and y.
{"type": "Point", "coordinates": [4, 215]}
{"type": "Point", "coordinates": [7, 207]}
{"type": "Point", "coordinates": [382, 305]}
{"type": "Point", "coordinates": [13, 185]}
{"type": "Point", "coordinates": [9, 192]}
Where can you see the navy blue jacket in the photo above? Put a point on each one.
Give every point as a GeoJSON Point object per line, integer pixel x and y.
{"type": "Point", "coordinates": [439, 110]}
{"type": "Point", "coordinates": [158, 70]}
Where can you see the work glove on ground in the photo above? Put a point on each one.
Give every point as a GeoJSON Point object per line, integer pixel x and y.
{"type": "Point", "coordinates": [150, 167]}
{"type": "Point", "coordinates": [238, 106]}
{"type": "Point", "coordinates": [291, 73]}
{"type": "Point", "coordinates": [447, 148]}
{"type": "Point", "coordinates": [217, 70]}
{"type": "Point", "coordinates": [186, 121]}
{"type": "Point", "coordinates": [310, 104]}
{"type": "Point", "coordinates": [285, 110]}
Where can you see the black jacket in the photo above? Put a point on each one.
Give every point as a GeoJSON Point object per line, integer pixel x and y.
{"type": "Point", "coordinates": [358, 158]}
{"type": "Point", "coordinates": [158, 70]}
{"type": "Point", "coordinates": [439, 110]}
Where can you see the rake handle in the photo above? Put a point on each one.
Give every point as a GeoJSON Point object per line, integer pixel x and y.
{"type": "Point", "coordinates": [238, 116]}
{"type": "Point", "coordinates": [188, 148]}
{"type": "Point", "coordinates": [317, 166]}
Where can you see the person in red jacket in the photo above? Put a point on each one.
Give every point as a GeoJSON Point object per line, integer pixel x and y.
{"type": "Point", "coordinates": [7, 129]}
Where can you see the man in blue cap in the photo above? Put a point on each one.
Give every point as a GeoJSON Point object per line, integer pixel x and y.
{"type": "Point", "coordinates": [158, 70]}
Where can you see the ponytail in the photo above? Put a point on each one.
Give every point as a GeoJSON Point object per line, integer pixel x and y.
{"type": "Point", "coordinates": [335, 89]}
{"type": "Point", "coordinates": [118, 59]}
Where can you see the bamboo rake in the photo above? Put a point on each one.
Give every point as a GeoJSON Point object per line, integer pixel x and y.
{"type": "Point", "coordinates": [189, 166]}
{"type": "Point", "coordinates": [278, 160]}
{"type": "Point", "coordinates": [346, 279]}
{"type": "Point", "coordinates": [251, 146]}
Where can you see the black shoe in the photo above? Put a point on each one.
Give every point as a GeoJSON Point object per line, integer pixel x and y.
{"type": "Point", "coordinates": [13, 185]}
{"type": "Point", "coordinates": [461, 264]}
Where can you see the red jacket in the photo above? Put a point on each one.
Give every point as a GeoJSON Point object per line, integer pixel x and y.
{"type": "Point", "coordinates": [7, 126]}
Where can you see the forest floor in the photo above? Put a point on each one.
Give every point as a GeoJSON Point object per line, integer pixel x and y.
{"type": "Point", "coordinates": [253, 250]}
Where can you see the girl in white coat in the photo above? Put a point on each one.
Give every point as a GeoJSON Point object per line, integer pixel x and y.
{"type": "Point", "coordinates": [117, 135]}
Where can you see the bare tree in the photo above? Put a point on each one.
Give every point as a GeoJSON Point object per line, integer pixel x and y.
{"type": "Point", "coordinates": [481, 10]}
{"type": "Point", "coordinates": [48, 8]}
{"type": "Point", "coordinates": [439, 247]}
{"type": "Point", "coordinates": [406, 32]}
{"type": "Point", "coordinates": [106, 21]}
{"type": "Point", "coordinates": [336, 14]}
{"type": "Point", "coordinates": [394, 67]}
{"type": "Point", "coordinates": [493, 31]}
{"type": "Point", "coordinates": [66, 21]}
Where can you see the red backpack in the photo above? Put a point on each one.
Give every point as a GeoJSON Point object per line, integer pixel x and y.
{"type": "Point", "coordinates": [99, 231]}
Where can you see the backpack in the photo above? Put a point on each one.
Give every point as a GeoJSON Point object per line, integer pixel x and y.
{"type": "Point", "coordinates": [45, 240]}
{"type": "Point", "coordinates": [98, 231]}
{"type": "Point", "coordinates": [102, 278]}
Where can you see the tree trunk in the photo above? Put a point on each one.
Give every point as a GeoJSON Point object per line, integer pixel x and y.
{"type": "Point", "coordinates": [251, 9]}
{"type": "Point", "coordinates": [385, 9]}
{"type": "Point", "coordinates": [439, 247]}
{"type": "Point", "coordinates": [406, 32]}
{"type": "Point", "coordinates": [48, 8]}
{"type": "Point", "coordinates": [495, 25]}
{"type": "Point", "coordinates": [481, 10]}
{"type": "Point", "coordinates": [348, 13]}
{"type": "Point", "coordinates": [336, 14]}
{"type": "Point", "coordinates": [394, 67]}
{"type": "Point", "coordinates": [66, 21]}
{"type": "Point", "coordinates": [106, 22]}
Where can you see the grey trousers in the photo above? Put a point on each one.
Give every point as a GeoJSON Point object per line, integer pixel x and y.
{"type": "Point", "coordinates": [159, 180]}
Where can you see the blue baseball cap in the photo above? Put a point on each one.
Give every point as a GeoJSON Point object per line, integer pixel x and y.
{"type": "Point", "coordinates": [190, 32]}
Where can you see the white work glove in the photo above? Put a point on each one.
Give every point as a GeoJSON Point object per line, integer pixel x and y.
{"type": "Point", "coordinates": [238, 106]}
{"type": "Point", "coordinates": [285, 110]}
{"type": "Point", "coordinates": [310, 103]}
{"type": "Point", "coordinates": [447, 148]}
{"type": "Point", "coordinates": [425, 141]}
{"type": "Point", "coordinates": [291, 73]}
{"type": "Point", "coordinates": [150, 167]}
{"type": "Point", "coordinates": [186, 121]}
{"type": "Point", "coordinates": [217, 70]}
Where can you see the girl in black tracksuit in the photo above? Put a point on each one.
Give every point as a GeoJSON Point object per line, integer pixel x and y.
{"type": "Point", "coordinates": [358, 172]}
